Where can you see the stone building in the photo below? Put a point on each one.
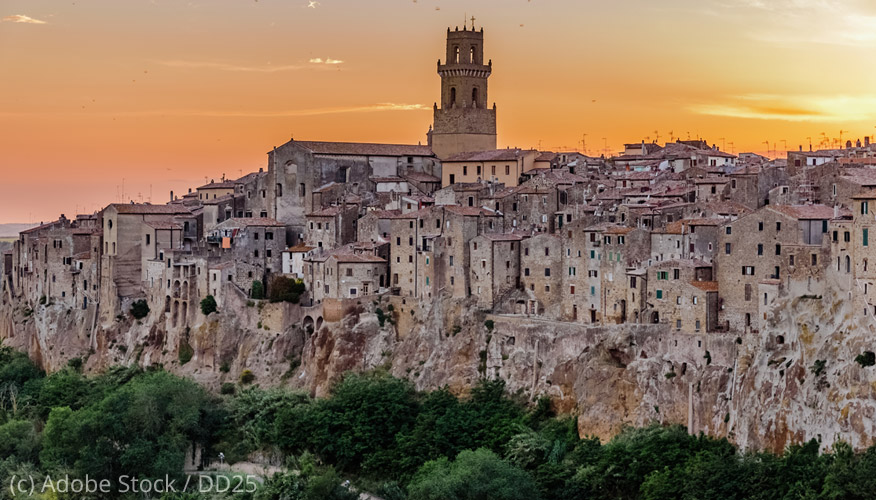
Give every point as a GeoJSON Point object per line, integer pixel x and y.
{"type": "Point", "coordinates": [463, 122]}
{"type": "Point", "coordinates": [331, 227]}
{"type": "Point", "coordinates": [542, 278]}
{"type": "Point", "coordinates": [253, 246]}
{"type": "Point", "coordinates": [683, 294]}
{"type": "Point", "coordinates": [774, 243]}
{"type": "Point", "coordinates": [505, 166]}
{"type": "Point", "coordinates": [494, 268]}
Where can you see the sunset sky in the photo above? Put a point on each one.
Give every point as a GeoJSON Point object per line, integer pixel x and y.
{"type": "Point", "coordinates": [160, 95]}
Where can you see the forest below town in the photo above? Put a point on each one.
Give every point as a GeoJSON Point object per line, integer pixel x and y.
{"type": "Point", "coordinates": [376, 434]}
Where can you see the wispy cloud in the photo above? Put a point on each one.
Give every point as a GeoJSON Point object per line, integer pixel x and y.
{"type": "Point", "coordinates": [218, 66]}
{"type": "Point", "coordinates": [19, 18]}
{"type": "Point", "coordinates": [312, 4]}
{"type": "Point", "coordinates": [849, 23]}
{"type": "Point", "coordinates": [370, 108]}
{"type": "Point", "coordinates": [319, 60]}
{"type": "Point", "coordinates": [814, 108]}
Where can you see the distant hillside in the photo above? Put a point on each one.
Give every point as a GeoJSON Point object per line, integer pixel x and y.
{"type": "Point", "coordinates": [12, 230]}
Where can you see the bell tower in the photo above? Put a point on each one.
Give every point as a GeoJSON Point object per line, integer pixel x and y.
{"type": "Point", "coordinates": [463, 123]}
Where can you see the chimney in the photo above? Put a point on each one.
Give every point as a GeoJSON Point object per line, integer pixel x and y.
{"type": "Point", "coordinates": [866, 141]}
{"type": "Point", "coordinates": [171, 196]}
{"type": "Point", "coordinates": [801, 148]}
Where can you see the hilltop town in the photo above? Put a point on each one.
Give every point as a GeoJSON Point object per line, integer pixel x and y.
{"type": "Point", "coordinates": [674, 263]}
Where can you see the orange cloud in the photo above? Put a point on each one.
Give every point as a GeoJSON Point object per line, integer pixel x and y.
{"type": "Point", "coordinates": [19, 18]}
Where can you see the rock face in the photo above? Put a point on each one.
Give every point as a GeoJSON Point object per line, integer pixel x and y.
{"type": "Point", "coordinates": [795, 381]}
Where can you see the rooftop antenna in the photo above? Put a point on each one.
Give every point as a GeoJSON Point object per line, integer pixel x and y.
{"type": "Point", "coordinates": [768, 147]}
{"type": "Point", "coordinates": [656, 137]}
{"type": "Point", "coordinates": [732, 149]}
{"type": "Point", "coordinates": [672, 137]}
{"type": "Point", "coordinates": [605, 145]}
{"type": "Point", "coordinates": [723, 145]}
{"type": "Point", "coordinates": [810, 143]}
{"type": "Point", "coordinates": [784, 144]}
{"type": "Point", "coordinates": [584, 143]}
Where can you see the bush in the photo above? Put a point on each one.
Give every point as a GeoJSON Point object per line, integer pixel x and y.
{"type": "Point", "coordinates": [227, 388]}
{"type": "Point", "coordinates": [866, 358]}
{"type": "Point", "coordinates": [285, 289]}
{"type": "Point", "coordinates": [139, 309]}
{"type": "Point", "coordinates": [258, 290]}
{"type": "Point", "coordinates": [247, 377]}
{"type": "Point", "coordinates": [489, 324]}
{"type": "Point", "coordinates": [225, 367]}
{"type": "Point", "coordinates": [208, 305]}
{"type": "Point", "coordinates": [186, 352]}
{"type": "Point", "coordinates": [473, 475]}
{"type": "Point", "coordinates": [818, 367]}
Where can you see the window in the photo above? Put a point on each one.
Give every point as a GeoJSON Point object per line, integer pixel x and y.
{"type": "Point", "coordinates": [760, 249]}
{"type": "Point", "coordinates": [572, 290]}
{"type": "Point", "coordinates": [678, 300]}
{"type": "Point", "coordinates": [256, 235]}
{"type": "Point", "coordinates": [659, 294]}
{"type": "Point", "coordinates": [747, 293]}
{"type": "Point", "coordinates": [349, 271]}
{"type": "Point", "coordinates": [748, 270]}
{"type": "Point", "coordinates": [835, 236]}
{"type": "Point", "coordinates": [814, 259]}
{"type": "Point", "coordinates": [678, 321]}
{"type": "Point", "coordinates": [479, 170]}
{"type": "Point", "coordinates": [592, 290]}
{"type": "Point", "coordinates": [728, 230]}
{"type": "Point", "coordinates": [547, 251]}
{"type": "Point", "coordinates": [696, 300]}
{"type": "Point", "coordinates": [778, 226]}
{"type": "Point", "coordinates": [727, 248]}
{"type": "Point", "coordinates": [451, 261]}
{"type": "Point", "coordinates": [269, 235]}
{"type": "Point", "coordinates": [547, 272]}
{"type": "Point", "coordinates": [508, 171]}
{"type": "Point", "coordinates": [676, 274]}
{"type": "Point", "coordinates": [662, 275]}
{"type": "Point", "coordinates": [865, 208]}
{"type": "Point", "coordinates": [760, 226]}
{"type": "Point", "coordinates": [847, 237]}
{"type": "Point", "coordinates": [526, 272]}
{"type": "Point", "coordinates": [865, 237]}
{"type": "Point", "coordinates": [791, 260]}
{"type": "Point", "coordinates": [465, 170]}
{"type": "Point", "coordinates": [148, 239]}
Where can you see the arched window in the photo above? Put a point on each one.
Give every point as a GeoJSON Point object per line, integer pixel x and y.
{"type": "Point", "coordinates": [472, 54]}
{"type": "Point", "coordinates": [452, 96]}
{"type": "Point", "coordinates": [848, 264]}
{"type": "Point", "coordinates": [474, 97]}
{"type": "Point", "coordinates": [456, 55]}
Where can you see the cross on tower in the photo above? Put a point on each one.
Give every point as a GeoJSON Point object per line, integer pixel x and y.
{"type": "Point", "coordinates": [472, 22]}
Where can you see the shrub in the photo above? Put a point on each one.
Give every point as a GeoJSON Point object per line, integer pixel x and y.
{"type": "Point", "coordinates": [489, 324]}
{"type": "Point", "coordinates": [208, 305]}
{"type": "Point", "coordinates": [258, 290]}
{"type": "Point", "coordinates": [247, 377]}
{"type": "Point", "coordinates": [185, 352]}
{"type": "Point", "coordinates": [866, 358]}
{"type": "Point", "coordinates": [139, 309]}
{"type": "Point", "coordinates": [227, 388]}
{"type": "Point", "coordinates": [285, 289]}
{"type": "Point", "coordinates": [818, 367]}
{"type": "Point", "coordinates": [225, 367]}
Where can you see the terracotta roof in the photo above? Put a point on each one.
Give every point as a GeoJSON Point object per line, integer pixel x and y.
{"type": "Point", "coordinates": [489, 155]}
{"type": "Point", "coordinates": [421, 177]}
{"type": "Point", "coordinates": [218, 185]}
{"type": "Point", "coordinates": [618, 230]}
{"type": "Point", "coordinates": [503, 237]}
{"type": "Point", "coordinates": [805, 212]}
{"type": "Point", "coordinates": [164, 224]}
{"type": "Point", "coordinates": [251, 221]}
{"type": "Point", "coordinates": [546, 156]}
{"type": "Point", "coordinates": [300, 248]}
{"type": "Point", "coordinates": [145, 208]}
{"type": "Point", "coordinates": [331, 211]}
{"type": "Point", "coordinates": [364, 148]}
{"type": "Point", "coordinates": [706, 286]}
{"type": "Point", "coordinates": [353, 258]}
{"type": "Point", "coordinates": [469, 211]}
{"type": "Point", "coordinates": [712, 180]}
{"type": "Point", "coordinates": [387, 179]}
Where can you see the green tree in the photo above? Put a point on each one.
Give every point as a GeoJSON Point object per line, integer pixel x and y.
{"type": "Point", "coordinates": [258, 290]}
{"type": "Point", "coordinates": [208, 305]}
{"type": "Point", "coordinates": [473, 475]}
{"type": "Point", "coordinates": [139, 309]}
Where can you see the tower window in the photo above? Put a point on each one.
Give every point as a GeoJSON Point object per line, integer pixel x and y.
{"type": "Point", "coordinates": [472, 54]}
{"type": "Point", "coordinates": [452, 96]}
{"type": "Point", "coordinates": [456, 55]}
{"type": "Point", "coordinates": [474, 97]}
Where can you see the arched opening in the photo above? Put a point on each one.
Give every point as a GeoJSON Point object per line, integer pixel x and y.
{"type": "Point", "coordinates": [472, 52]}
{"type": "Point", "coordinates": [456, 55]}
{"type": "Point", "coordinates": [185, 290]}
{"type": "Point", "coordinates": [623, 317]}
{"type": "Point", "coordinates": [747, 319]}
{"type": "Point", "coordinates": [452, 96]}
{"type": "Point", "coordinates": [318, 323]}
{"type": "Point", "coordinates": [175, 318]}
{"type": "Point", "coordinates": [308, 324]}
{"type": "Point", "coordinates": [176, 287]}
{"type": "Point", "coordinates": [865, 265]}
{"type": "Point", "coordinates": [474, 97]}
{"type": "Point", "coordinates": [185, 311]}
{"type": "Point", "coordinates": [574, 313]}
{"type": "Point", "coordinates": [780, 339]}
{"type": "Point", "coordinates": [848, 264]}
{"type": "Point", "coordinates": [655, 317]}
{"type": "Point", "coordinates": [167, 304]}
